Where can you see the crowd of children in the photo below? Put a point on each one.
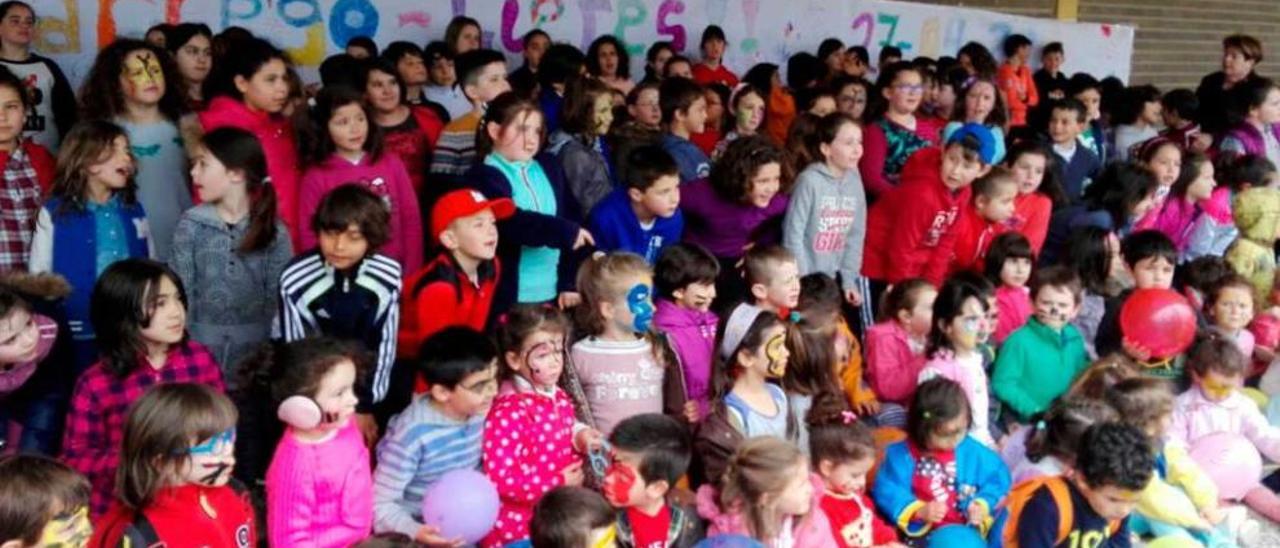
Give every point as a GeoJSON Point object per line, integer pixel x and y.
{"type": "Point", "coordinates": [239, 310]}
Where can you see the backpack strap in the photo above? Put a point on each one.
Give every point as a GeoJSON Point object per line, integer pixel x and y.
{"type": "Point", "coordinates": [140, 533]}
{"type": "Point", "coordinates": [1066, 511]}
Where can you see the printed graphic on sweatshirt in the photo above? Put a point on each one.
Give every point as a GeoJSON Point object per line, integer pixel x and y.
{"type": "Point", "coordinates": [835, 219]}
{"type": "Point", "coordinates": [942, 221]}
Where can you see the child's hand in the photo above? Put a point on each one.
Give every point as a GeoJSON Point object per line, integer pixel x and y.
{"type": "Point", "coordinates": [1264, 354]}
{"type": "Point", "coordinates": [1135, 350]}
{"type": "Point", "coordinates": [932, 511]}
{"type": "Point", "coordinates": [977, 513]}
{"type": "Point", "coordinates": [569, 299]}
{"type": "Point", "coordinates": [430, 535]}
{"type": "Point", "coordinates": [584, 238]}
{"type": "Point", "coordinates": [691, 413]}
{"type": "Point", "coordinates": [1213, 514]}
{"type": "Point", "coordinates": [587, 439]}
{"type": "Point", "coordinates": [853, 297]}
{"type": "Point", "coordinates": [867, 408]}
{"type": "Point", "coordinates": [572, 474]}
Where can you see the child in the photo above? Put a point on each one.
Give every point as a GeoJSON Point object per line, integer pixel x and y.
{"type": "Point", "coordinates": [685, 286]}
{"type": "Point", "coordinates": [1077, 164]}
{"type": "Point", "coordinates": [896, 345]}
{"type": "Point", "coordinates": [1256, 106]}
{"type": "Point", "coordinates": [1164, 160]}
{"type": "Point", "coordinates": [1186, 200]}
{"type": "Point", "coordinates": [441, 79]}
{"type": "Point", "coordinates": [984, 105]}
{"type": "Point", "coordinates": [1180, 110]}
{"type": "Point", "coordinates": [139, 314]}
{"type": "Point", "coordinates": [939, 475]}
{"type": "Point", "coordinates": [953, 352]}
{"type": "Point", "coordinates": [50, 119]}
{"type": "Point", "coordinates": [231, 249]}
{"type": "Point", "coordinates": [832, 356]}
{"type": "Point", "coordinates": [45, 503]}
{"type": "Point", "coordinates": [712, 70]}
{"type": "Point", "coordinates": [982, 219]}
{"type": "Point", "coordinates": [579, 145]}
{"type": "Point", "coordinates": [608, 63]}
{"type": "Point", "coordinates": [826, 219]}
{"type": "Point", "coordinates": [909, 232]}
{"type": "Point", "coordinates": [572, 517]}
{"type": "Point", "coordinates": [1038, 361]}
{"type": "Point", "coordinates": [717, 98]}
{"type": "Point", "coordinates": [814, 364]}
{"type": "Point", "coordinates": [412, 66]}
{"type": "Point", "coordinates": [1229, 307]}
{"type": "Point", "coordinates": [1016, 82]}
{"type": "Point", "coordinates": [1051, 83]}
{"type": "Point", "coordinates": [684, 113]}
{"type": "Point", "coordinates": [136, 85]}
{"type": "Point", "coordinates": [1094, 254]}
{"type": "Point", "coordinates": [175, 486]}
{"type": "Point", "coordinates": [1114, 463]}
{"type": "Point", "coordinates": [1093, 133]}
{"type": "Point", "coordinates": [456, 288]}
{"type": "Point", "coordinates": [563, 62]}
{"type": "Point", "coordinates": [349, 150]}
{"type": "Point", "coordinates": [344, 288]}
{"type": "Point", "coordinates": [1050, 446]}
{"type": "Point", "coordinates": [1008, 266]}
{"type": "Point", "coordinates": [438, 432]}
{"type": "Point", "coordinates": [28, 173]}
{"type": "Point", "coordinates": [616, 366]}
{"type": "Point", "coordinates": [843, 452]}
{"type": "Point", "coordinates": [1257, 215]}
{"type": "Point", "coordinates": [523, 460]}
{"type": "Point", "coordinates": [644, 217]}
{"type": "Point", "coordinates": [409, 131]}
{"type": "Point", "coordinates": [773, 279]}
{"type": "Point", "coordinates": [1215, 231]}
{"type": "Point", "coordinates": [1136, 119]}
{"type": "Point", "coordinates": [752, 349]}
{"type": "Point", "coordinates": [310, 503]}
{"type": "Point", "coordinates": [1119, 202]}
{"type": "Point", "coordinates": [534, 46]}
{"type": "Point", "coordinates": [746, 105]}
{"type": "Point", "coordinates": [882, 166]}
{"type": "Point", "coordinates": [767, 494]}
{"type": "Point", "coordinates": [851, 95]}
{"type": "Point", "coordinates": [650, 454]}
{"type": "Point", "coordinates": [1038, 191]}
{"type": "Point", "coordinates": [1150, 258]}
{"type": "Point", "coordinates": [33, 367]}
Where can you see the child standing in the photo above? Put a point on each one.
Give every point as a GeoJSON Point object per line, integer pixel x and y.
{"type": "Point", "coordinates": [983, 105]}
{"type": "Point", "coordinates": [482, 78]}
{"type": "Point", "coordinates": [981, 219]}
{"type": "Point", "coordinates": [26, 173]}
{"type": "Point", "coordinates": [579, 144]}
{"type": "Point", "coordinates": [953, 351]}
{"type": "Point", "coordinates": [1016, 82]}
{"type": "Point", "coordinates": [231, 249]}
{"type": "Point", "coordinates": [1093, 132]}
{"type": "Point", "coordinates": [896, 134]}
{"type": "Point", "coordinates": [650, 454]}
{"type": "Point", "coordinates": [175, 476]}
{"type": "Point", "coordinates": [319, 487]}
{"type": "Point", "coordinates": [349, 150]}
{"type": "Point", "coordinates": [523, 460]}
{"type": "Point", "coordinates": [712, 70]}
{"type": "Point", "coordinates": [45, 501]}
{"type": "Point", "coordinates": [50, 119]}
{"type": "Point", "coordinates": [1077, 163]}
{"type": "Point", "coordinates": [1257, 215]}
{"type": "Point", "coordinates": [896, 347]}
{"type": "Point", "coordinates": [939, 475]}
{"type": "Point", "coordinates": [684, 113]}
{"type": "Point", "coordinates": [1038, 191]}
{"type": "Point", "coordinates": [746, 106]}
{"type": "Point", "coordinates": [773, 278]}
{"type": "Point", "coordinates": [1008, 266]}
{"type": "Point", "coordinates": [409, 131]}
{"type": "Point", "coordinates": [1186, 201]}
{"type": "Point", "coordinates": [843, 452]}
{"type": "Point", "coordinates": [644, 216]}
{"type": "Point", "coordinates": [1051, 83]}
{"type": "Point", "coordinates": [685, 286]}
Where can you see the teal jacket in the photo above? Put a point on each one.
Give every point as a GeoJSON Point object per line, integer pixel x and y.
{"type": "Point", "coordinates": [1036, 365]}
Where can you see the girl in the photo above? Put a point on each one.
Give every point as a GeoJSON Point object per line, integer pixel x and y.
{"type": "Point", "coordinates": [250, 90]}
{"type": "Point", "coordinates": [813, 365]}
{"type": "Point", "coordinates": [895, 347]}
{"type": "Point", "coordinates": [191, 45]}
{"type": "Point", "coordinates": [717, 98]}
{"type": "Point", "coordinates": [616, 366]}
{"type": "Point", "coordinates": [1164, 159]}
{"type": "Point", "coordinates": [851, 96]}
{"type": "Point", "coordinates": [1009, 267]}
{"type": "Point", "coordinates": [826, 219]}
{"type": "Point", "coordinates": [746, 104]}
{"type": "Point", "coordinates": [738, 207]}
{"type": "Point", "coordinates": [1177, 217]}
{"type": "Point", "coordinates": [1048, 448]}
{"type": "Point", "coordinates": [1214, 231]}
{"type": "Point", "coordinates": [1256, 115]}
{"type": "Point", "coordinates": [768, 494]}
{"type": "Point", "coordinates": [90, 221]}
{"type": "Point", "coordinates": [231, 249]}
{"type": "Point", "coordinates": [780, 106]}
{"type": "Point", "coordinates": [843, 452]}
{"type": "Point", "coordinates": [608, 62]}
{"type": "Point", "coordinates": [894, 134]}
{"type": "Point", "coordinates": [348, 149]}
{"type": "Point", "coordinates": [579, 144]}
{"type": "Point", "coordinates": [140, 314]}
{"type": "Point", "coordinates": [1094, 253]}
{"type": "Point", "coordinates": [655, 61]}
{"type": "Point", "coordinates": [532, 443]}
{"type": "Point", "coordinates": [26, 172]}
{"type": "Point", "coordinates": [751, 350]}
{"type": "Point", "coordinates": [958, 315]}
{"type": "Point", "coordinates": [31, 370]}
{"type": "Point", "coordinates": [408, 131]}
{"type": "Point", "coordinates": [1229, 307]}
{"type": "Point", "coordinates": [462, 35]}
{"type": "Point", "coordinates": [538, 240]}
{"type": "Point", "coordinates": [984, 105]}
{"type": "Point", "coordinates": [307, 504]}
{"type": "Point", "coordinates": [1038, 191]}
{"type": "Point", "coordinates": [135, 85]}
{"type": "Point", "coordinates": [58, 109]}
{"type": "Point", "coordinates": [939, 475]}
{"type": "Point", "coordinates": [1136, 119]}
{"type": "Point", "coordinates": [173, 480]}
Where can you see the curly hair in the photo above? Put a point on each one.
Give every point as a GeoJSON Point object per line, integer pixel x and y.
{"type": "Point", "coordinates": [102, 96]}
{"type": "Point", "coordinates": [731, 177]}
{"type": "Point", "coordinates": [1117, 455]}
{"type": "Point", "coordinates": [593, 56]}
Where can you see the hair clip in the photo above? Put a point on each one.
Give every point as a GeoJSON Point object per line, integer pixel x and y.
{"type": "Point", "coordinates": [927, 415]}
{"type": "Point", "coordinates": [849, 417]}
{"type": "Point", "coordinates": [502, 319]}
{"type": "Point", "coordinates": [1039, 425]}
{"type": "Point", "coordinates": [794, 317]}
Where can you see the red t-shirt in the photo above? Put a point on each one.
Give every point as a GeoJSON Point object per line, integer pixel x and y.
{"type": "Point", "coordinates": [935, 478]}
{"type": "Point", "coordinates": [854, 523]}
{"type": "Point", "coordinates": [190, 515]}
{"type": "Point", "coordinates": [650, 531]}
{"type": "Point", "coordinates": [706, 141]}
{"type": "Point", "coordinates": [704, 75]}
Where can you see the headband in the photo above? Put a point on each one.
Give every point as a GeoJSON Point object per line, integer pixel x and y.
{"type": "Point", "coordinates": [736, 328]}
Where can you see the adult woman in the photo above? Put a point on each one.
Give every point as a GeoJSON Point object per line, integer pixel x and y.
{"type": "Point", "coordinates": [1241, 53]}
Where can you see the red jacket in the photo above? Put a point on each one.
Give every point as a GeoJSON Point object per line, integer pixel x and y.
{"type": "Point", "coordinates": [909, 231]}
{"type": "Point", "coordinates": [973, 238]}
{"type": "Point", "coordinates": [441, 295]}
{"type": "Point", "coordinates": [190, 515]}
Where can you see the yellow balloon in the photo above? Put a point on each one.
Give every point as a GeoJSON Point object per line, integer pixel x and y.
{"type": "Point", "coordinates": [1259, 397]}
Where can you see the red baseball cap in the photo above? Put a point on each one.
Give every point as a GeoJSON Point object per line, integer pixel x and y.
{"type": "Point", "coordinates": [465, 203]}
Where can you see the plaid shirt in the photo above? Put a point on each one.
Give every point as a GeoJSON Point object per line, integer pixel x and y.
{"type": "Point", "coordinates": [95, 423]}
{"type": "Point", "coordinates": [19, 204]}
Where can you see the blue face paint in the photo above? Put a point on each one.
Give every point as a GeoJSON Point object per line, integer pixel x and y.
{"type": "Point", "coordinates": [641, 307]}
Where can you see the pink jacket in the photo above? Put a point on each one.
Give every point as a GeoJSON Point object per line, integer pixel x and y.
{"type": "Point", "coordinates": [387, 178]}
{"type": "Point", "coordinates": [320, 494]}
{"type": "Point", "coordinates": [892, 368]}
{"type": "Point", "coordinates": [276, 136]}
{"type": "Point", "coordinates": [1176, 219]}
{"type": "Point", "coordinates": [1194, 416]}
{"type": "Point", "coordinates": [972, 378]}
{"type": "Point", "coordinates": [813, 531]}
{"type": "Point", "coordinates": [1014, 304]}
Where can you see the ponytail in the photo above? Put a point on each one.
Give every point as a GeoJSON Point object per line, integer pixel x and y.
{"type": "Point", "coordinates": [238, 150]}
{"type": "Point", "coordinates": [262, 218]}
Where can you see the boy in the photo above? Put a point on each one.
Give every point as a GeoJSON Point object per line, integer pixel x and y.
{"type": "Point", "coordinates": [43, 503]}
{"type": "Point", "coordinates": [561, 63]}
{"type": "Point", "coordinates": [684, 113]}
{"type": "Point", "coordinates": [1114, 463]}
{"type": "Point", "coordinates": [1150, 257]}
{"type": "Point", "coordinates": [1180, 109]}
{"type": "Point", "coordinates": [909, 231]}
{"type": "Point", "coordinates": [482, 76]}
{"type": "Point", "coordinates": [1077, 164]}
{"type": "Point", "coordinates": [773, 278]}
{"type": "Point", "coordinates": [888, 56]}
{"type": "Point", "coordinates": [650, 454]}
{"type": "Point", "coordinates": [1051, 83]}
{"type": "Point", "coordinates": [712, 70]}
{"type": "Point", "coordinates": [983, 219]}
{"type": "Point", "coordinates": [345, 289]}
{"type": "Point", "coordinates": [438, 432]}
{"type": "Point", "coordinates": [442, 80]}
{"type": "Point", "coordinates": [1088, 90]}
{"type": "Point", "coordinates": [408, 60]}
{"type": "Point", "coordinates": [1037, 362]}
{"type": "Point", "coordinates": [643, 218]}
{"type": "Point", "coordinates": [524, 80]}
{"type": "Point", "coordinates": [456, 288]}
{"type": "Point", "coordinates": [571, 517]}
{"type": "Point", "coordinates": [1014, 78]}
{"type": "Point", "coordinates": [684, 281]}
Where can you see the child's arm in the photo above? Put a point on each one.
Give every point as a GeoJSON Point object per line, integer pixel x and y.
{"type": "Point", "coordinates": [64, 99]}
{"type": "Point", "coordinates": [892, 491]}
{"type": "Point", "coordinates": [1006, 378]}
{"type": "Point", "coordinates": [379, 380]}
{"type": "Point", "coordinates": [524, 227]}
{"type": "Point", "coordinates": [795, 223]}
{"type": "Point", "coordinates": [1161, 501]}
{"type": "Point", "coordinates": [1029, 83]}
{"type": "Point", "coordinates": [182, 258]}
{"type": "Point", "coordinates": [291, 497]}
{"type": "Point", "coordinates": [41, 259]}
{"type": "Point", "coordinates": [84, 442]}
{"type": "Point", "coordinates": [855, 239]}
{"type": "Point", "coordinates": [1037, 227]}
{"type": "Point", "coordinates": [410, 216]}
{"type": "Point", "coordinates": [993, 480]}
{"type": "Point", "coordinates": [875, 148]}
{"type": "Point", "coordinates": [517, 481]}
{"type": "Point", "coordinates": [935, 267]}
{"type": "Point", "coordinates": [399, 458]}
{"type": "Point", "coordinates": [278, 256]}
{"type": "Point", "coordinates": [891, 379]}
{"type": "Point", "coordinates": [1185, 473]}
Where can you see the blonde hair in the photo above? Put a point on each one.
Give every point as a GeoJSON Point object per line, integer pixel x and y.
{"type": "Point", "coordinates": [761, 466]}
{"type": "Point", "coordinates": [603, 279]}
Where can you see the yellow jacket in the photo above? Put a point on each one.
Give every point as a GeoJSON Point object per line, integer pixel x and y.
{"type": "Point", "coordinates": [851, 373]}
{"type": "Point", "coordinates": [1178, 497]}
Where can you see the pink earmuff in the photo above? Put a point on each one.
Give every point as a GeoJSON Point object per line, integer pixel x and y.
{"type": "Point", "coordinates": [300, 412]}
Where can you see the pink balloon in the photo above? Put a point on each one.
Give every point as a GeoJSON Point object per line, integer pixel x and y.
{"type": "Point", "coordinates": [463, 504]}
{"type": "Point", "coordinates": [1231, 461]}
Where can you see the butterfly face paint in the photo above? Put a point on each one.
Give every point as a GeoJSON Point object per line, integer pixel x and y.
{"type": "Point", "coordinates": [67, 530]}
{"type": "Point", "coordinates": [640, 304]}
{"type": "Point", "coordinates": [143, 76]}
{"type": "Point", "coordinates": [211, 461]}
{"type": "Point", "coordinates": [545, 361]}
{"type": "Point", "coordinates": [776, 350]}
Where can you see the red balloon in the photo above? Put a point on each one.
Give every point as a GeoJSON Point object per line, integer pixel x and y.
{"type": "Point", "coordinates": [1160, 320]}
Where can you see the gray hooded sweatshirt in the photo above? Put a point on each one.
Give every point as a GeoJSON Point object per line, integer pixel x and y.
{"type": "Point", "coordinates": [826, 223]}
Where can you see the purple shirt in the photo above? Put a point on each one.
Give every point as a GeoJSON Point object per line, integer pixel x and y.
{"type": "Point", "coordinates": [725, 228]}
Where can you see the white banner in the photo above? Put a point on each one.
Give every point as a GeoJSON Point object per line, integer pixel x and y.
{"type": "Point", "coordinates": [72, 31]}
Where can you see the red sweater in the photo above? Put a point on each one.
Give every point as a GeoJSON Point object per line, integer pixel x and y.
{"type": "Point", "coordinates": [1031, 214]}
{"type": "Point", "coordinates": [704, 75]}
{"type": "Point", "coordinates": [973, 238]}
{"type": "Point", "coordinates": [854, 522]}
{"type": "Point", "coordinates": [441, 295]}
{"type": "Point", "coordinates": [909, 231]}
{"type": "Point", "coordinates": [190, 515]}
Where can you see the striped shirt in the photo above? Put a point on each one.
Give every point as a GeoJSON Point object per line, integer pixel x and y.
{"type": "Point", "coordinates": [456, 149]}
{"type": "Point", "coordinates": [421, 444]}
{"type": "Point", "coordinates": [361, 304]}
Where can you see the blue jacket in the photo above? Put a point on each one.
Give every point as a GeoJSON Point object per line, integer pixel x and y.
{"type": "Point", "coordinates": [1084, 166]}
{"type": "Point", "coordinates": [980, 475]}
{"type": "Point", "coordinates": [616, 228]}
{"type": "Point", "coordinates": [693, 163]}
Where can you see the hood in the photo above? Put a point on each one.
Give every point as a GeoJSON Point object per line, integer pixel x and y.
{"type": "Point", "coordinates": [923, 166]}
{"type": "Point", "coordinates": [45, 285]}
{"type": "Point", "coordinates": [1257, 214]}
{"type": "Point", "coordinates": [226, 111]}
{"type": "Point", "coordinates": [207, 217]}
{"type": "Point", "coordinates": [708, 505]}
{"type": "Point", "coordinates": [669, 314]}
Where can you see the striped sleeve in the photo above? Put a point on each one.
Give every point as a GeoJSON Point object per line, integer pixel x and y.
{"type": "Point", "coordinates": [385, 283]}
{"type": "Point", "coordinates": [302, 282]}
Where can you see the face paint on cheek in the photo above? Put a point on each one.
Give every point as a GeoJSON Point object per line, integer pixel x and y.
{"type": "Point", "coordinates": [618, 481]}
{"type": "Point", "coordinates": [773, 350]}
{"type": "Point", "coordinates": [142, 71]}
{"type": "Point", "coordinates": [641, 307]}
{"type": "Point", "coordinates": [215, 472]}
{"type": "Point", "coordinates": [67, 529]}
{"type": "Point", "coordinates": [967, 334]}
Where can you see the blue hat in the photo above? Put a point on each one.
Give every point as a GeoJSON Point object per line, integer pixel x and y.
{"type": "Point", "coordinates": [986, 140]}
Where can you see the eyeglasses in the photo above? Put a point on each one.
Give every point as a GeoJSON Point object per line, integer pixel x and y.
{"type": "Point", "coordinates": [214, 444]}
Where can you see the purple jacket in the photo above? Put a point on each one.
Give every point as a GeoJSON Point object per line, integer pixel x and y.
{"type": "Point", "coordinates": [725, 227]}
{"type": "Point", "coordinates": [692, 336]}
{"type": "Point", "coordinates": [1251, 138]}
